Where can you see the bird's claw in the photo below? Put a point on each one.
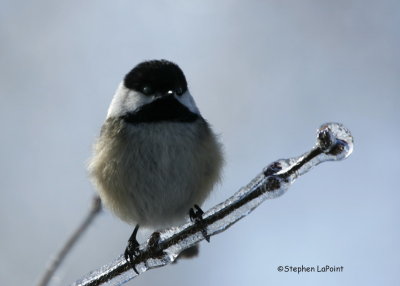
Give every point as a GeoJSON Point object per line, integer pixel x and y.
{"type": "Point", "coordinates": [132, 249]}
{"type": "Point", "coordinates": [196, 216]}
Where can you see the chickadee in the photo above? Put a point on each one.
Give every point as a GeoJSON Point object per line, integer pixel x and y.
{"type": "Point", "coordinates": [156, 156]}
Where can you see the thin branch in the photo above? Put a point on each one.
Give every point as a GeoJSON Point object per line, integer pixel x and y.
{"type": "Point", "coordinates": [334, 142]}
{"type": "Point", "coordinates": [95, 208]}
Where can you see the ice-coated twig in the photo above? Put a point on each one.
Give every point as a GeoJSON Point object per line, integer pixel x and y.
{"type": "Point", "coordinates": [334, 142]}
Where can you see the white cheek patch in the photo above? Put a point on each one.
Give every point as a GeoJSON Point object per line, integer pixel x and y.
{"type": "Point", "coordinates": [125, 101]}
{"type": "Point", "coordinates": [187, 100]}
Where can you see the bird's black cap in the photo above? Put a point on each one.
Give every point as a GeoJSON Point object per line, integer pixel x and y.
{"type": "Point", "coordinates": [158, 75]}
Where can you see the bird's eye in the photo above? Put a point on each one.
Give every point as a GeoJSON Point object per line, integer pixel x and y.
{"type": "Point", "coordinates": [179, 91]}
{"type": "Point", "coordinates": [147, 90]}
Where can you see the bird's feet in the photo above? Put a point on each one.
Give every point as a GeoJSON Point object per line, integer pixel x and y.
{"type": "Point", "coordinates": [154, 242]}
{"type": "Point", "coordinates": [132, 249]}
{"type": "Point", "coordinates": [196, 216]}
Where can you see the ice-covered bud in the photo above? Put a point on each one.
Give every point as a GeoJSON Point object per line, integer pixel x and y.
{"type": "Point", "coordinates": [335, 141]}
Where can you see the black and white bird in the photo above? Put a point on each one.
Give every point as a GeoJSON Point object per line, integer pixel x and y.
{"type": "Point", "coordinates": [156, 156]}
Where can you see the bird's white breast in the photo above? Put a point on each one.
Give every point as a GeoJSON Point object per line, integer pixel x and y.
{"type": "Point", "coordinates": [152, 174]}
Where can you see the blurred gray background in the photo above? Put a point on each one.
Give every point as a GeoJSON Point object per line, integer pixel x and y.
{"type": "Point", "coordinates": [266, 74]}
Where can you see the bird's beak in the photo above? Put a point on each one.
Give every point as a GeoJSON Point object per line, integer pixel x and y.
{"type": "Point", "coordinates": [168, 93]}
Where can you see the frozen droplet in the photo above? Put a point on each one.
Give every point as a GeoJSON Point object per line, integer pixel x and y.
{"type": "Point", "coordinates": [335, 141]}
{"type": "Point", "coordinates": [279, 166]}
